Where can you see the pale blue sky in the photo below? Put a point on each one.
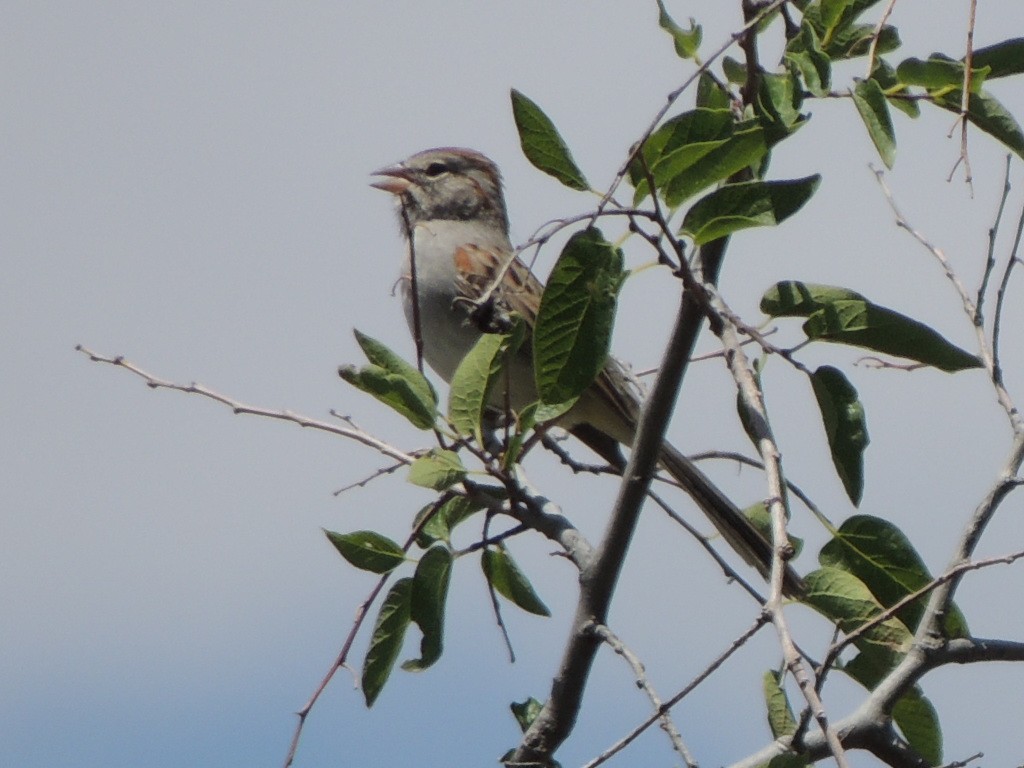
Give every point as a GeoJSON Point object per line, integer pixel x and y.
{"type": "Point", "coordinates": [186, 185]}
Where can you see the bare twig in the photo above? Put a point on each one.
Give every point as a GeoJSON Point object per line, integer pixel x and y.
{"type": "Point", "coordinates": [624, 742]}
{"type": "Point", "coordinates": [873, 49]}
{"type": "Point", "coordinates": [965, 97]}
{"type": "Point", "coordinates": [388, 470]}
{"type": "Point", "coordinates": [644, 684]}
{"type": "Point", "coordinates": [901, 221]}
{"type": "Point", "coordinates": [238, 407]}
{"type": "Point", "coordinates": [993, 232]}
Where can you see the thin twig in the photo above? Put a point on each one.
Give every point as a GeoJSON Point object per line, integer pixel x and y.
{"type": "Point", "coordinates": [629, 738]}
{"type": "Point", "coordinates": [644, 684]}
{"type": "Point", "coordinates": [872, 50]}
{"type": "Point", "coordinates": [238, 407]}
{"type": "Point", "coordinates": [993, 232]}
{"type": "Point", "coordinates": [383, 471]}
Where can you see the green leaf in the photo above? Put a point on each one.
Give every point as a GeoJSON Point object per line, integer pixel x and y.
{"type": "Point", "coordinates": [542, 144]}
{"type": "Point", "coordinates": [938, 72]}
{"type": "Point", "coordinates": [780, 97]}
{"type": "Point", "coordinates": [701, 166]}
{"type": "Point", "coordinates": [828, 17]}
{"type": "Point", "coordinates": [985, 111]}
{"type": "Point", "coordinates": [368, 550]}
{"type": "Point", "coordinates": [438, 469]}
{"type": "Point", "coordinates": [394, 382]}
{"type": "Point", "coordinates": [526, 712]}
{"type": "Point", "coordinates": [870, 665]}
{"type": "Point", "coordinates": [844, 316]}
{"type": "Point", "coordinates": [735, 71]}
{"type": "Point", "coordinates": [761, 518]}
{"type": "Point", "coordinates": [780, 714]}
{"type": "Point", "coordinates": [855, 40]}
{"type": "Point", "coordinates": [844, 599]}
{"type": "Point", "coordinates": [444, 516]}
{"type": "Point", "coordinates": [747, 204]}
{"type": "Point", "coordinates": [885, 75]}
{"type": "Point", "coordinates": [919, 721]}
{"type": "Point", "coordinates": [386, 640]}
{"type": "Point", "coordinates": [504, 575]}
{"type": "Point", "coordinates": [842, 414]}
{"type": "Point", "coordinates": [680, 142]}
{"type": "Point", "coordinates": [881, 557]}
{"type": "Point", "coordinates": [804, 53]}
{"type": "Point", "coordinates": [526, 420]}
{"type": "Point", "coordinates": [862, 324]}
{"type": "Point", "coordinates": [429, 593]}
{"type": "Point", "coordinates": [1002, 59]}
{"type": "Point", "coordinates": [710, 95]}
{"type": "Point", "coordinates": [791, 298]}
{"type": "Point", "coordinates": [874, 111]}
{"type": "Point", "coordinates": [474, 379]}
{"type": "Point", "coordinates": [576, 315]}
{"type": "Point", "coordinates": [686, 41]}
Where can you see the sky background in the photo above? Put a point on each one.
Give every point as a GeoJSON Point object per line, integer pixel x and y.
{"type": "Point", "coordinates": [186, 185]}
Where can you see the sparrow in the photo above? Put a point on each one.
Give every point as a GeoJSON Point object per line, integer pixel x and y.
{"type": "Point", "coordinates": [452, 206]}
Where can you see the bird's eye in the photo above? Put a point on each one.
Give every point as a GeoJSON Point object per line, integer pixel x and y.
{"type": "Point", "coordinates": [436, 169]}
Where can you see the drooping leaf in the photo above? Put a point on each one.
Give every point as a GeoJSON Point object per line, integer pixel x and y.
{"type": "Point", "coordinates": [368, 550]}
{"type": "Point", "coordinates": [386, 640]}
{"type": "Point", "coordinates": [874, 111]}
{"type": "Point", "coordinates": [686, 41]}
{"type": "Point", "coordinates": [881, 556]}
{"type": "Point", "coordinates": [429, 594]}
{"type": "Point", "coordinates": [986, 112]}
{"type": "Point", "coordinates": [577, 312]}
{"type": "Point", "coordinates": [476, 376]}
{"type": "Point", "coordinates": [1002, 59]}
{"type": "Point", "coordinates": [844, 599]}
{"type": "Point", "coordinates": [842, 415]}
{"type": "Point", "coordinates": [733, 207]}
{"type": "Point", "coordinates": [508, 581]}
{"type": "Point", "coordinates": [394, 382]}
{"type": "Point", "coordinates": [525, 712]}
{"type": "Point", "coordinates": [862, 324]}
{"type": "Point", "coordinates": [543, 145]}
{"type": "Point", "coordinates": [438, 469]}
{"type": "Point", "coordinates": [917, 718]}
{"type": "Point", "coordinates": [780, 714]}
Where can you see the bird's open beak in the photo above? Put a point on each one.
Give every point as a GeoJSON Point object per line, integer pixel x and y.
{"type": "Point", "coordinates": [397, 179]}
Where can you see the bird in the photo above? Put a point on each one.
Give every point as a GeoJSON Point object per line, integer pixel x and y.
{"type": "Point", "coordinates": [451, 205]}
